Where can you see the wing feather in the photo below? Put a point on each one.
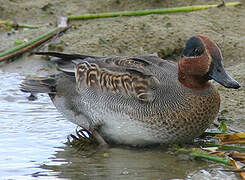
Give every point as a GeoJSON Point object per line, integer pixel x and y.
{"type": "Point", "coordinates": [127, 76]}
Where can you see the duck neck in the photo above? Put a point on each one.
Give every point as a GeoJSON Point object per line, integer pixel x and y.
{"type": "Point", "coordinates": [196, 82]}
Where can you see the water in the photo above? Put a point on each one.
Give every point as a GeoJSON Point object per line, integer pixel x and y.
{"type": "Point", "coordinates": [32, 137]}
{"type": "Point", "coordinates": [30, 131]}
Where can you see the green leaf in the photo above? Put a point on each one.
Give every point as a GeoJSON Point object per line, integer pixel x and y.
{"type": "Point", "coordinates": [222, 127]}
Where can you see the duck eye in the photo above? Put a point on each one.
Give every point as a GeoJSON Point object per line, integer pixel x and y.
{"type": "Point", "coordinates": [197, 52]}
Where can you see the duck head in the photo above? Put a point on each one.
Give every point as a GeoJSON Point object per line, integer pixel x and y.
{"type": "Point", "coordinates": [201, 61]}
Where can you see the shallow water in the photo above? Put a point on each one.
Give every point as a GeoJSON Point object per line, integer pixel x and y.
{"type": "Point", "coordinates": [32, 137]}
{"type": "Point", "coordinates": [30, 131]}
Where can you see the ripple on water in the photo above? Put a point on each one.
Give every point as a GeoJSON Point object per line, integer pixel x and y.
{"type": "Point", "coordinates": [30, 130]}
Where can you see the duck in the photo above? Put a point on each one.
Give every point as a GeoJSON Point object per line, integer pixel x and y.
{"type": "Point", "coordinates": [140, 100]}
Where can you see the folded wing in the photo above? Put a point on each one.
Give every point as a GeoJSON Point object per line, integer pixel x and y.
{"type": "Point", "coordinates": [126, 76]}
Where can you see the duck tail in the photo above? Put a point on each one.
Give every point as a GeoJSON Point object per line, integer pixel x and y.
{"type": "Point", "coordinates": [39, 85]}
{"type": "Point", "coordinates": [64, 58]}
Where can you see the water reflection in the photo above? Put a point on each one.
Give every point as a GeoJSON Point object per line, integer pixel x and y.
{"type": "Point", "coordinates": [121, 163]}
{"type": "Point", "coordinates": [130, 163]}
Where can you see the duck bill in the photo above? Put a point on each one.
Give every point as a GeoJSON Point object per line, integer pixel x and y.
{"type": "Point", "coordinates": [219, 74]}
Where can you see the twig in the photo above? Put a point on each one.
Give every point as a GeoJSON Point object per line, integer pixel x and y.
{"type": "Point", "coordinates": [232, 170]}
{"type": "Point", "coordinates": [31, 44]}
{"type": "Point", "coordinates": [242, 174]}
{"type": "Point", "coordinates": [147, 12]}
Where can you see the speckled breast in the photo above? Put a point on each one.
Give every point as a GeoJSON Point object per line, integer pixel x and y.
{"type": "Point", "coordinates": [189, 118]}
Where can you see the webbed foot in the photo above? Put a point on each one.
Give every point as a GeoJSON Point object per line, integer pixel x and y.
{"type": "Point", "coordinates": [83, 139]}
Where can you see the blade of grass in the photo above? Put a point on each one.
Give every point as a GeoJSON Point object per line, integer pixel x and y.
{"type": "Point", "coordinates": [31, 44]}
{"type": "Point", "coordinates": [203, 155]}
{"type": "Point", "coordinates": [147, 12]}
{"type": "Point", "coordinates": [235, 138]}
{"type": "Point", "coordinates": [227, 147]}
{"type": "Point", "coordinates": [14, 25]}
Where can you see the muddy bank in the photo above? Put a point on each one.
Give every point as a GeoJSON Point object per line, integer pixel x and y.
{"type": "Point", "coordinates": [233, 101]}
{"type": "Point", "coordinates": [161, 34]}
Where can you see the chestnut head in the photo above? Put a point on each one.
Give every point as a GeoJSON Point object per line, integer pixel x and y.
{"type": "Point", "coordinates": [202, 57]}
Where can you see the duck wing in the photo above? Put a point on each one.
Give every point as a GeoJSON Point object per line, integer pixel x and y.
{"type": "Point", "coordinates": [130, 77]}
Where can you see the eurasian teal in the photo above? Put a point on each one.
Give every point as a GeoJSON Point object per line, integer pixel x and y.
{"type": "Point", "coordinates": [141, 100]}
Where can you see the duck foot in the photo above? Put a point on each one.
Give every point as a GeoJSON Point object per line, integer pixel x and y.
{"type": "Point", "coordinates": [83, 139]}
